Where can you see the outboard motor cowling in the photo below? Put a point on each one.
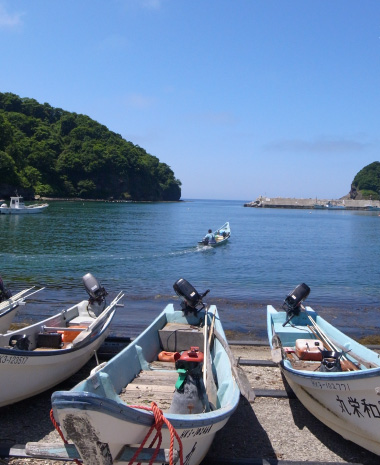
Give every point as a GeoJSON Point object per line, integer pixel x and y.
{"type": "Point", "coordinates": [190, 394]}
{"type": "Point", "coordinates": [293, 301]}
{"type": "Point", "coordinates": [191, 299]}
{"type": "Point", "coordinates": [330, 361]}
{"type": "Point", "coordinates": [97, 293]}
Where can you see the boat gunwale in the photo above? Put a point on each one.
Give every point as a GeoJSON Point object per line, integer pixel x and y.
{"type": "Point", "coordinates": [88, 401]}
{"type": "Point", "coordinates": [332, 376]}
{"type": "Point", "coordinates": [8, 310]}
{"type": "Point", "coordinates": [54, 352]}
{"type": "Point", "coordinates": [318, 375]}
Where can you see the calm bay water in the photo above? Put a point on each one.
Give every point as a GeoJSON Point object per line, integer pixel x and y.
{"type": "Point", "coordinates": [143, 248]}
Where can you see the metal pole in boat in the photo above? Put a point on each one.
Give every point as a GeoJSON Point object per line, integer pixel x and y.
{"type": "Point", "coordinates": [96, 357]}
{"type": "Point", "coordinates": [205, 340]}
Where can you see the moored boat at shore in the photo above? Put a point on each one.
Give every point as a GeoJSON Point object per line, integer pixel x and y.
{"type": "Point", "coordinates": [109, 414]}
{"type": "Point", "coordinates": [39, 356]}
{"type": "Point", "coordinates": [17, 206]}
{"type": "Point", "coordinates": [9, 308]}
{"type": "Point", "coordinates": [336, 378]}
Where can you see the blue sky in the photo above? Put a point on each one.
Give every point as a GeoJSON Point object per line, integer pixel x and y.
{"type": "Point", "coordinates": [241, 98]}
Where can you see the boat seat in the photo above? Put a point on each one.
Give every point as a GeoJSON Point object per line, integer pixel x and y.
{"type": "Point", "coordinates": [81, 321]}
{"type": "Point", "coordinates": [175, 337]}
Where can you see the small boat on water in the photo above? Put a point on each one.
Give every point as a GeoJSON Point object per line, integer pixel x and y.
{"type": "Point", "coordinates": [176, 372]}
{"type": "Point", "coordinates": [219, 237]}
{"type": "Point", "coordinates": [336, 378]}
{"type": "Point", "coordinates": [37, 357]}
{"type": "Point", "coordinates": [329, 206]}
{"type": "Point", "coordinates": [18, 206]}
{"type": "Point", "coordinates": [372, 208]}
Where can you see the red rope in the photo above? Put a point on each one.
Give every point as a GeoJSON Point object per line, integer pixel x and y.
{"type": "Point", "coordinates": [159, 420]}
{"type": "Point", "coordinates": [56, 426]}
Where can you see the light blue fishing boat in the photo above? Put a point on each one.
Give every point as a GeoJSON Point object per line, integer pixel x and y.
{"type": "Point", "coordinates": [219, 237]}
{"type": "Point", "coordinates": [176, 373]}
{"type": "Point", "coordinates": [336, 378]}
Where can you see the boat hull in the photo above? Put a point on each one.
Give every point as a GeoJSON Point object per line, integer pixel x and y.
{"type": "Point", "coordinates": [24, 376]}
{"type": "Point", "coordinates": [25, 373]}
{"type": "Point", "coordinates": [114, 429]}
{"type": "Point", "coordinates": [345, 401]}
{"type": "Point", "coordinates": [349, 407]}
{"type": "Point", "coordinates": [94, 408]}
{"type": "Point", "coordinates": [23, 211]}
{"type": "Point", "coordinates": [6, 318]}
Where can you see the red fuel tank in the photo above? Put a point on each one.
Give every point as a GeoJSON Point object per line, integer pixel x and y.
{"type": "Point", "coordinates": [192, 355]}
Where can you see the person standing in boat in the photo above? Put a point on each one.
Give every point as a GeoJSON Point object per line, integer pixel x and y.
{"type": "Point", "coordinates": [4, 292]}
{"type": "Point", "coordinates": [209, 238]}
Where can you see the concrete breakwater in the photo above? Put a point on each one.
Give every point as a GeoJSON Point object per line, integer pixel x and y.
{"type": "Point", "coordinates": [327, 204]}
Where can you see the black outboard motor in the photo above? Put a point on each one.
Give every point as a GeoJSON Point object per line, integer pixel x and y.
{"type": "Point", "coordinates": [191, 299]}
{"type": "Point", "coordinates": [4, 292]}
{"type": "Point", "coordinates": [293, 302]}
{"type": "Point", "coordinates": [330, 361]}
{"type": "Point", "coordinates": [97, 293]}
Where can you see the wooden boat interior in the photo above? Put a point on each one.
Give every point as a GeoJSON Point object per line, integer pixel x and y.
{"type": "Point", "coordinates": [307, 335]}
{"type": "Point", "coordinates": [135, 376]}
{"type": "Point", "coordinates": [54, 333]}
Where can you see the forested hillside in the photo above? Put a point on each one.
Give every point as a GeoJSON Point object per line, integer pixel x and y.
{"type": "Point", "coordinates": [366, 183]}
{"type": "Point", "coordinates": [50, 152]}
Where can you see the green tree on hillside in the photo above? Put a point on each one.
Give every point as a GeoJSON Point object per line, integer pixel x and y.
{"type": "Point", "coordinates": [56, 153]}
{"type": "Point", "coordinates": [367, 181]}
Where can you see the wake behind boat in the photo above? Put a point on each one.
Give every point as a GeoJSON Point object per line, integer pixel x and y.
{"type": "Point", "coordinates": [37, 357]}
{"type": "Point", "coordinates": [177, 369]}
{"type": "Point", "coordinates": [218, 237]}
{"type": "Point", "coordinates": [18, 206]}
{"type": "Point", "coordinates": [336, 378]}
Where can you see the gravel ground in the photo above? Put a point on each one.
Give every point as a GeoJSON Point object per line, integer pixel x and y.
{"type": "Point", "coordinates": [269, 428]}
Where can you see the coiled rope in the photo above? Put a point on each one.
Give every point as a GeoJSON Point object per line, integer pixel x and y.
{"type": "Point", "coordinates": [159, 420]}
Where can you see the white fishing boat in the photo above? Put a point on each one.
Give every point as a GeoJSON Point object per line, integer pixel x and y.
{"type": "Point", "coordinates": [177, 373]}
{"type": "Point", "coordinates": [10, 307]}
{"type": "Point", "coordinates": [218, 237]}
{"type": "Point", "coordinates": [336, 378]}
{"type": "Point", "coordinates": [37, 357]}
{"type": "Point", "coordinates": [18, 206]}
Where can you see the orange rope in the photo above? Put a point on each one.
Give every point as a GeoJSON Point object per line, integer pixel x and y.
{"type": "Point", "coordinates": [159, 420]}
{"type": "Point", "coordinates": [56, 426]}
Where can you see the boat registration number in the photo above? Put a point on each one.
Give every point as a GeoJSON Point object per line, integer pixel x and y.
{"type": "Point", "coordinates": [331, 385]}
{"type": "Point", "coordinates": [13, 359]}
{"type": "Point", "coordinates": [194, 432]}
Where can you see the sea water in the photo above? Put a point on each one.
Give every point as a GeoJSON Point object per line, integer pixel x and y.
{"type": "Point", "coordinates": [143, 248]}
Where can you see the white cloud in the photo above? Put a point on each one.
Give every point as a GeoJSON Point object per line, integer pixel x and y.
{"type": "Point", "coordinates": [9, 20]}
